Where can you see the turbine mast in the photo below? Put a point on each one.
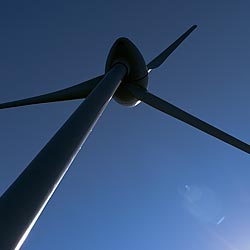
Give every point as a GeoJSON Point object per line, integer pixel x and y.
{"type": "Point", "coordinates": [25, 199]}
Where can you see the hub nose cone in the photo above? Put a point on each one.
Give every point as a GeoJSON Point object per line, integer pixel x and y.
{"type": "Point", "coordinates": [125, 52]}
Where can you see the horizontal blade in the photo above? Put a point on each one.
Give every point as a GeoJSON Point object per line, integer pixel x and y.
{"type": "Point", "coordinates": [78, 91]}
{"type": "Point", "coordinates": [179, 114]}
{"type": "Point", "coordinates": [156, 62]}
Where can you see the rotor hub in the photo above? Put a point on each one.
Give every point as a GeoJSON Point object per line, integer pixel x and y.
{"type": "Point", "coordinates": [125, 52]}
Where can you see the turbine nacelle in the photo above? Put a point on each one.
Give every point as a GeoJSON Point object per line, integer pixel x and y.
{"type": "Point", "coordinates": [125, 52]}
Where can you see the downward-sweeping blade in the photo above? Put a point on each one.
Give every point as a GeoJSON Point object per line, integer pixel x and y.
{"type": "Point", "coordinates": [166, 107]}
{"type": "Point", "coordinates": [78, 91]}
{"type": "Point", "coordinates": [157, 61]}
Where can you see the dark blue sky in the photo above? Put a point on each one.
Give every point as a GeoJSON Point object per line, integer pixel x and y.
{"type": "Point", "coordinates": [143, 180]}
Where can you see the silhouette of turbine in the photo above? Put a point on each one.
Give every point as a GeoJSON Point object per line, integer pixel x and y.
{"type": "Point", "coordinates": [126, 80]}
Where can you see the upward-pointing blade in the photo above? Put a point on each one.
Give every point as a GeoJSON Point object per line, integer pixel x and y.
{"type": "Point", "coordinates": [166, 107]}
{"type": "Point", "coordinates": [156, 62]}
{"type": "Point", "coordinates": [78, 91]}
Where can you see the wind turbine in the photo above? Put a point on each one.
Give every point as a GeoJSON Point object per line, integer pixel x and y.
{"type": "Point", "coordinates": [125, 80]}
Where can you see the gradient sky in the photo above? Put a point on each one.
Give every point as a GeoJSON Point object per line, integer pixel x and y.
{"type": "Point", "coordinates": [143, 180]}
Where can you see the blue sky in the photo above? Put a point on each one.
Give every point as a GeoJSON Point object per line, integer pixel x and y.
{"type": "Point", "coordinates": [143, 180]}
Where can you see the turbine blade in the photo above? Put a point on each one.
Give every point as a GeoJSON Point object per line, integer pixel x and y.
{"type": "Point", "coordinates": [157, 61]}
{"type": "Point", "coordinates": [166, 107]}
{"type": "Point", "coordinates": [78, 91]}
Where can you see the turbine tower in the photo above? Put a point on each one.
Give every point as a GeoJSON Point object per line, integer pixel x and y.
{"type": "Point", "coordinates": [125, 80]}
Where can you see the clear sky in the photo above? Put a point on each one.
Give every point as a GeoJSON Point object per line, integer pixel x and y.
{"type": "Point", "coordinates": [143, 180]}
